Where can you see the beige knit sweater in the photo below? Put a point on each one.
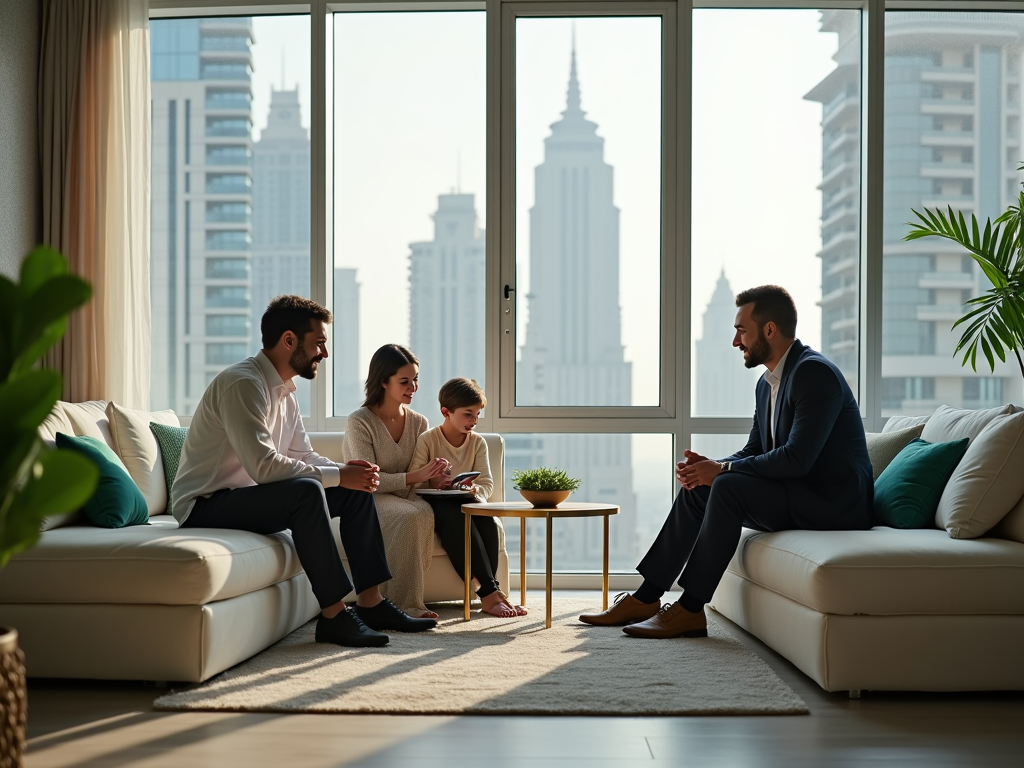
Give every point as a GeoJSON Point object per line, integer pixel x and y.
{"type": "Point", "coordinates": [406, 520]}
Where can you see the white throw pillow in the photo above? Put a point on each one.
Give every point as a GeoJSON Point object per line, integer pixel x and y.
{"type": "Point", "coordinates": [987, 482]}
{"type": "Point", "coordinates": [135, 443]}
{"type": "Point", "coordinates": [883, 446]}
{"type": "Point", "coordinates": [899, 423]}
{"type": "Point", "coordinates": [948, 423]}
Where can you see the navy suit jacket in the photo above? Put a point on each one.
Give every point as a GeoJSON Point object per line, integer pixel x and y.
{"type": "Point", "coordinates": [820, 452]}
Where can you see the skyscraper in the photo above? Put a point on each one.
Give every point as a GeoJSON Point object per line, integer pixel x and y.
{"type": "Point", "coordinates": [573, 354]}
{"type": "Point", "coordinates": [952, 137]}
{"type": "Point", "coordinates": [281, 214]}
{"type": "Point", "coordinates": [446, 296]}
{"type": "Point", "coordinates": [722, 383]}
{"type": "Point", "coordinates": [201, 203]}
{"type": "Point", "coordinates": [348, 379]}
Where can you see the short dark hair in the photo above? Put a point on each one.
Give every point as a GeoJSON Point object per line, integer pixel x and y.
{"type": "Point", "coordinates": [383, 365]}
{"type": "Point", "coordinates": [461, 393]}
{"type": "Point", "coordinates": [290, 313]}
{"type": "Point", "coordinates": [772, 304]}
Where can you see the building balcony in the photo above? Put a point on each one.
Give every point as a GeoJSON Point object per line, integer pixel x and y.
{"type": "Point", "coordinates": [947, 281]}
{"type": "Point", "coordinates": [839, 297]}
{"type": "Point", "coordinates": [947, 106]}
{"type": "Point", "coordinates": [846, 264]}
{"type": "Point", "coordinates": [949, 75]}
{"type": "Point", "coordinates": [846, 324]}
{"type": "Point", "coordinates": [948, 170]}
{"type": "Point", "coordinates": [841, 347]}
{"type": "Point", "coordinates": [224, 43]}
{"type": "Point", "coordinates": [847, 240]}
{"type": "Point", "coordinates": [838, 214]}
{"type": "Point", "coordinates": [940, 313]}
{"type": "Point", "coordinates": [947, 138]}
{"type": "Point", "coordinates": [958, 202]}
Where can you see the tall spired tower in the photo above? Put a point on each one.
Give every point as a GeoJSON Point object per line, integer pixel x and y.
{"type": "Point", "coordinates": [573, 352]}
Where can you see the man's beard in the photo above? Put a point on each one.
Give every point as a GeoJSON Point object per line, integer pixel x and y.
{"type": "Point", "coordinates": [757, 354]}
{"type": "Point", "coordinates": [302, 364]}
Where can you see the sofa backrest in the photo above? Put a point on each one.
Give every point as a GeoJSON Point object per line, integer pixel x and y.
{"type": "Point", "coordinates": [329, 444]}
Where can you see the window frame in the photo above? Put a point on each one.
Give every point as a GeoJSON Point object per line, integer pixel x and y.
{"type": "Point", "coordinates": [673, 415]}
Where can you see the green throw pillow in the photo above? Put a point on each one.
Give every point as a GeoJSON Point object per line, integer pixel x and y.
{"type": "Point", "coordinates": [171, 440]}
{"type": "Point", "coordinates": [908, 490]}
{"type": "Point", "coordinates": [117, 502]}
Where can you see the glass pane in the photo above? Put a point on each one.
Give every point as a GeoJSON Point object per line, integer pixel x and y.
{"type": "Point", "coordinates": [776, 180]}
{"type": "Point", "coordinates": [952, 138]}
{"type": "Point", "coordinates": [636, 472]}
{"type": "Point", "coordinates": [230, 192]}
{"type": "Point", "coordinates": [409, 121]}
{"type": "Point", "coordinates": [588, 211]}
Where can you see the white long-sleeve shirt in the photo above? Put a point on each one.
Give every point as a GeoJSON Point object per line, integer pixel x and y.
{"type": "Point", "coordinates": [247, 430]}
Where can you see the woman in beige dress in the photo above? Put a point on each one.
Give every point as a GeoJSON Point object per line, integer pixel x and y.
{"type": "Point", "coordinates": [384, 432]}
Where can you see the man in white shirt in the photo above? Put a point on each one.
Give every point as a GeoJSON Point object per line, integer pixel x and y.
{"type": "Point", "coordinates": [805, 465]}
{"type": "Point", "coordinates": [247, 464]}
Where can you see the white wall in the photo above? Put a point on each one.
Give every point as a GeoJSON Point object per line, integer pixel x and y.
{"type": "Point", "coordinates": [20, 214]}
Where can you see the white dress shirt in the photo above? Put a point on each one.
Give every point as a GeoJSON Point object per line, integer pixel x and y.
{"type": "Point", "coordinates": [247, 430]}
{"type": "Point", "coordinates": [774, 379]}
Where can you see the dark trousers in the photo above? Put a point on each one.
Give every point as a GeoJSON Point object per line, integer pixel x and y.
{"type": "Point", "coordinates": [306, 507]}
{"type": "Point", "coordinates": [700, 535]}
{"type": "Point", "coordinates": [450, 526]}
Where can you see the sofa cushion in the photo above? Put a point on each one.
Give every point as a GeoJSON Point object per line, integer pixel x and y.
{"type": "Point", "coordinates": [987, 482]}
{"type": "Point", "coordinates": [884, 446]}
{"type": "Point", "coordinates": [948, 423]}
{"type": "Point", "coordinates": [155, 564]}
{"type": "Point", "coordinates": [897, 423]}
{"type": "Point", "coordinates": [908, 491]}
{"type": "Point", "coordinates": [135, 443]}
{"type": "Point", "coordinates": [1012, 525]}
{"type": "Point", "coordinates": [171, 440]}
{"type": "Point", "coordinates": [117, 501]}
{"type": "Point", "coordinates": [886, 572]}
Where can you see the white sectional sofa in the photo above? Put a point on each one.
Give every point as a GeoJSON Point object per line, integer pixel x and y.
{"type": "Point", "coordinates": [154, 602]}
{"type": "Point", "coordinates": [887, 609]}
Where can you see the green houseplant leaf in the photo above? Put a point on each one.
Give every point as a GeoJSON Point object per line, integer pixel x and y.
{"type": "Point", "coordinates": [994, 321]}
{"type": "Point", "coordinates": [543, 479]}
{"type": "Point", "coordinates": [35, 481]}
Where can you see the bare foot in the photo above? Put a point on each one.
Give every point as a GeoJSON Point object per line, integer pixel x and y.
{"type": "Point", "coordinates": [429, 615]}
{"type": "Point", "coordinates": [496, 604]}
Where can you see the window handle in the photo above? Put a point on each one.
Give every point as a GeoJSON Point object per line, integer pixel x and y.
{"type": "Point", "coordinates": [508, 291]}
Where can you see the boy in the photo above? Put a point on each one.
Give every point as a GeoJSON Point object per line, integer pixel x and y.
{"type": "Point", "coordinates": [454, 440]}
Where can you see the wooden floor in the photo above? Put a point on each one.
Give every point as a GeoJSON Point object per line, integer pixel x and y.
{"type": "Point", "coordinates": [112, 725]}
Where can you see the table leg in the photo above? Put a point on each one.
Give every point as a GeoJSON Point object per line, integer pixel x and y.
{"type": "Point", "coordinates": [604, 571]}
{"type": "Point", "coordinates": [547, 576]}
{"type": "Point", "coordinates": [522, 560]}
{"type": "Point", "coordinates": [466, 573]}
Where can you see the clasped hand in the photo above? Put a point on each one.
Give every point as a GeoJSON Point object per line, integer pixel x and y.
{"type": "Point", "coordinates": [432, 472]}
{"type": "Point", "coordinates": [696, 470]}
{"type": "Point", "coordinates": [360, 475]}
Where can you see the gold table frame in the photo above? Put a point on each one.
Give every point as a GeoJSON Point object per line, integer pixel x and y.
{"type": "Point", "coordinates": [524, 510]}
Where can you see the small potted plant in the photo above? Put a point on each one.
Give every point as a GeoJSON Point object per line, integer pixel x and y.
{"type": "Point", "coordinates": [544, 487]}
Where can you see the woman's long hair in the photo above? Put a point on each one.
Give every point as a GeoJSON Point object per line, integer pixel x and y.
{"type": "Point", "coordinates": [383, 365]}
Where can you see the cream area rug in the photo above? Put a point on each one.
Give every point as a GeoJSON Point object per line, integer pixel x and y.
{"type": "Point", "coordinates": [502, 666]}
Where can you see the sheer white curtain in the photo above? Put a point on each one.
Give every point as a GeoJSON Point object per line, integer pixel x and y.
{"type": "Point", "coordinates": [94, 118]}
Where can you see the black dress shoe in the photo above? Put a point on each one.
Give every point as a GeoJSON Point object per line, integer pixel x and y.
{"type": "Point", "coordinates": [384, 615]}
{"type": "Point", "coordinates": [348, 629]}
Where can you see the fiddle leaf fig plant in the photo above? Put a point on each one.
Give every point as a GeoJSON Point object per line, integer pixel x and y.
{"type": "Point", "coordinates": [35, 481]}
{"type": "Point", "coordinates": [995, 320]}
{"type": "Point", "coordinates": [544, 479]}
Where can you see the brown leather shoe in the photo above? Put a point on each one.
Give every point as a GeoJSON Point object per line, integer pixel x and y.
{"type": "Point", "coordinates": [671, 621]}
{"type": "Point", "coordinates": [626, 609]}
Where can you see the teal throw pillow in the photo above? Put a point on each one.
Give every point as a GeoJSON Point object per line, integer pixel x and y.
{"type": "Point", "coordinates": [171, 440]}
{"type": "Point", "coordinates": [117, 502]}
{"type": "Point", "coordinates": [908, 490]}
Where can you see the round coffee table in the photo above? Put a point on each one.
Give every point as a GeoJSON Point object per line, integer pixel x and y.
{"type": "Point", "coordinates": [523, 510]}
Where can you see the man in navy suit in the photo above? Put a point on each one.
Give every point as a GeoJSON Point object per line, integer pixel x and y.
{"type": "Point", "coordinates": [805, 465]}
